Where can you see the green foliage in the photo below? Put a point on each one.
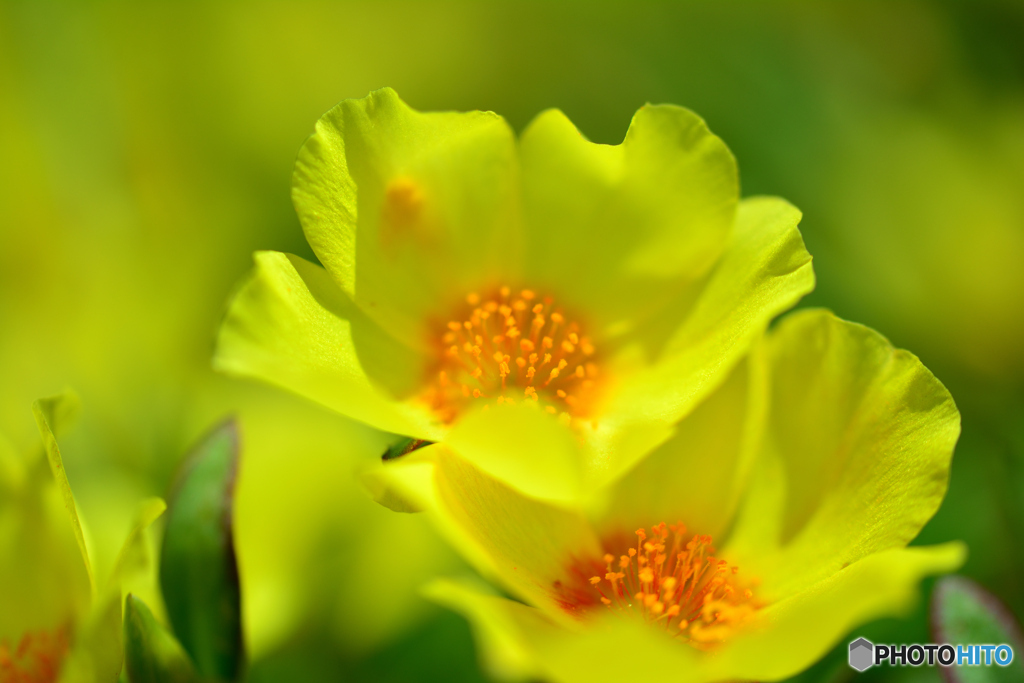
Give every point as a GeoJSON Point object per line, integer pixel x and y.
{"type": "Point", "coordinates": [964, 613]}
{"type": "Point", "coordinates": [151, 653]}
{"type": "Point", "coordinates": [198, 570]}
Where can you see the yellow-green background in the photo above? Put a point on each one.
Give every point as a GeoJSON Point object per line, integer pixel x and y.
{"type": "Point", "coordinates": [146, 150]}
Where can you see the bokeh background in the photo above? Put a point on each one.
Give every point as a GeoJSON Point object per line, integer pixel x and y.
{"type": "Point", "coordinates": [146, 150]}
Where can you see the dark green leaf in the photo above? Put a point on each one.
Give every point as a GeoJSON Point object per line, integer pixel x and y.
{"type": "Point", "coordinates": [198, 571]}
{"type": "Point", "coordinates": [404, 446]}
{"type": "Point", "coordinates": [151, 654]}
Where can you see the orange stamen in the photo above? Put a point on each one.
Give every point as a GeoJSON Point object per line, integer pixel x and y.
{"type": "Point", "coordinates": [36, 659]}
{"type": "Point", "coordinates": [489, 350]}
{"type": "Point", "coordinates": [672, 579]}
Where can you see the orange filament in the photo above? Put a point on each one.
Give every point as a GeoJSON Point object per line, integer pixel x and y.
{"type": "Point", "coordinates": [507, 348]}
{"type": "Point", "coordinates": [36, 659]}
{"type": "Point", "coordinates": [671, 582]}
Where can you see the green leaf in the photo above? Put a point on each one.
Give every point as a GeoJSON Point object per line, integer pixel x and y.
{"type": "Point", "coordinates": [964, 613]}
{"type": "Point", "coordinates": [198, 570]}
{"type": "Point", "coordinates": [404, 446]}
{"type": "Point", "coordinates": [151, 653]}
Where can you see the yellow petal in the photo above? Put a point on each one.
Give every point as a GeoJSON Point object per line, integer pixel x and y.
{"type": "Point", "coordinates": [765, 271]}
{"type": "Point", "coordinates": [51, 413]}
{"type": "Point", "coordinates": [518, 641]}
{"type": "Point", "coordinates": [524, 543]}
{"type": "Point", "coordinates": [697, 476]}
{"type": "Point", "coordinates": [409, 210]}
{"type": "Point", "coordinates": [856, 453]}
{"type": "Point", "coordinates": [497, 626]}
{"type": "Point", "coordinates": [524, 447]}
{"type": "Point", "coordinates": [290, 325]}
{"type": "Point", "coordinates": [609, 226]}
{"type": "Point", "coordinates": [797, 631]}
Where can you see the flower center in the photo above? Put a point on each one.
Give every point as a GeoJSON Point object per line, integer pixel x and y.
{"type": "Point", "coordinates": [36, 659]}
{"type": "Point", "coordinates": [506, 348]}
{"type": "Point", "coordinates": [671, 582]}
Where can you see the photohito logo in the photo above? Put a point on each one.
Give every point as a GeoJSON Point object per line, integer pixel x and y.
{"type": "Point", "coordinates": [864, 654]}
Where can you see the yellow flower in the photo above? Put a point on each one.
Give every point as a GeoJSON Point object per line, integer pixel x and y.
{"type": "Point", "coordinates": [773, 522]}
{"type": "Point", "coordinates": [549, 308]}
{"type": "Point", "coordinates": [56, 619]}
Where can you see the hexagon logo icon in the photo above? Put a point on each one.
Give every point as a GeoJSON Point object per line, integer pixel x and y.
{"type": "Point", "coordinates": [862, 654]}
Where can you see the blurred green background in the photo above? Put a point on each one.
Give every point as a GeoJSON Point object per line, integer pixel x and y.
{"type": "Point", "coordinates": [146, 150]}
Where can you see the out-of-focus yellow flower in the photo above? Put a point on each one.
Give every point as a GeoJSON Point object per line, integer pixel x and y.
{"type": "Point", "coordinates": [548, 308]}
{"type": "Point", "coordinates": [58, 621]}
{"type": "Point", "coordinates": [816, 462]}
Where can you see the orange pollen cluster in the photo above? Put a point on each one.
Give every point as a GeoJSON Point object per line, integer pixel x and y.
{"type": "Point", "coordinates": [507, 348]}
{"type": "Point", "coordinates": [36, 659]}
{"type": "Point", "coordinates": [680, 586]}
